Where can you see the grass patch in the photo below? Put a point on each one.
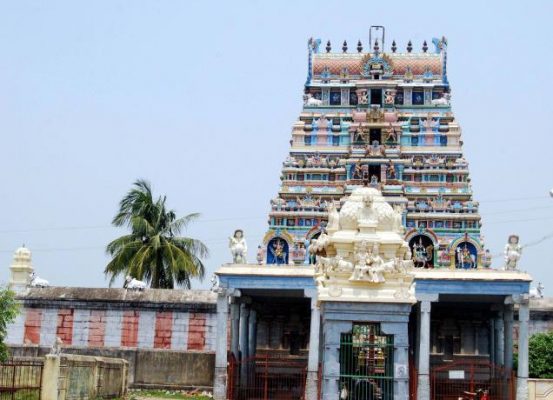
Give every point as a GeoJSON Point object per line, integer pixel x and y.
{"type": "Point", "coordinates": [167, 394]}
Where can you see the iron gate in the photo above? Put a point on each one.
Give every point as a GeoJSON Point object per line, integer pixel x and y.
{"type": "Point", "coordinates": [20, 380]}
{"type": "Point", "coordinates": [451, 381]}
{"type": "Point", "coordinates": [264, 377]}
{"type": "Point", "coordinates": [367, 363]}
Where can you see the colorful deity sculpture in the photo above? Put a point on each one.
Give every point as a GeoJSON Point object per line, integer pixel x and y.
{"type": "Point", "coordinates": [465, 259]}
{"type": "Point", "coordinates": [278, 252]}
{"type": "Point", "coordinates": [422, 255]}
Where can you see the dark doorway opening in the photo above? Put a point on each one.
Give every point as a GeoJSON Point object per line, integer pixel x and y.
{"type": "Point", "coordinates": [376, 97]}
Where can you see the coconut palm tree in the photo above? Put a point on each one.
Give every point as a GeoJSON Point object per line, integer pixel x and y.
{"type": "Point", "coordinates": [154, 251]}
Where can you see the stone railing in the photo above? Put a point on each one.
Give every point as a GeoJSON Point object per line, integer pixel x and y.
{"type": "Point", "coordinates": [540, 389]}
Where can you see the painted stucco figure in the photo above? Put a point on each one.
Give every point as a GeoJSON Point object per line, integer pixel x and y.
{"type": "Point", "coordinates": [238, 247]}
{"type": "Point", "coordinates": [513, 251]}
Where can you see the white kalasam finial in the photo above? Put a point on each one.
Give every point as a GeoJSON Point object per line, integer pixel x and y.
{"type": "Point", "coordinates": [513, 251]}
{"type": "Point", "coordinates": [238, 247]}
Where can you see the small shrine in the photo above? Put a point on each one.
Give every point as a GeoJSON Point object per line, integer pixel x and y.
{"type": "Point", "coordinates": [367, 259]}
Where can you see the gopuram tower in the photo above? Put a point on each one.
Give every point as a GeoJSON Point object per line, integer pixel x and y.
{"type": "Point", "coordinates": [378, 117]}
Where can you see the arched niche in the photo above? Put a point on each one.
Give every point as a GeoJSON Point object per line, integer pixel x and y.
{"type": "Point", "coordinates": [278, 251]}
{"type": "Point", "coordinates": [313, 234]}
{"type": "Point", "coordinates": [466, 255]}
{"type": "Point", "coordinates": [422, 250]}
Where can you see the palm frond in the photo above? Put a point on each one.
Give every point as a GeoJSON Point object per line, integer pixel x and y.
{"type": "Point", "coordinates": [179, 224]}
{"type": "Point", "coordinates": [153, 251]}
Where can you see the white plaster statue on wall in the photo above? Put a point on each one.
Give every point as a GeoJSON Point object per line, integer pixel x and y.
{"type": "Point", "coordinates": [367, 212]}
{"type": "Point", "coordinates": [56, 346]}
{"type": "Point", "coordinates": [35, 281]}
{"type": "Point", "coordinates": [134, 284]}
{"type": "Point", "coordinates": [333, 217]}
{"type": "Point", "coordinates": [369, 266]}
{"type": "Point", "coordinates": [277, 203]}
{"type": "Point", "coordinates": [238, 247]}
{"type": "Point", "coordinates": [537, 292]}
{"type": "Point", "coordinates": [513, 251]}
{"type": "Point", "coordinates": [442, 101]}
{"type": "Point", "coordinates": [397, 224]}
{"type": "Point", "coordinates": [377, 267]}
{"type": "Point", "coordinates": [309, 100]}
{"type": "Point", "coordinates": [343, 265]}
{"type": "Point", "coordinates": [362, 260]}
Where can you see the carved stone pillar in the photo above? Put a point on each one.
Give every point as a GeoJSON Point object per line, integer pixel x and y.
{"type": "Point", "coordinates": [499, 339]}
{"type": "Point", "coordinates": [407, 96]}
{"type": "Point", "coordinates": [401, 357]}
{"type": "Point", "coordinates": [234, 327]}
{"type": "Point", "coordinates": [423, 388]}
{"type": "Point", "coordinates": [252, 333]}
{"type": "Point", "coordinates": [508, 336]}
{"type": "Point", "coordinates": [313, 360]}
{"type": "Point", "coordinates": [220, 379]}
{"type": "Point", "coordinates": [522, 373]}
{"type": "Point", "coordinates": [345, 96]}
{"type": "Point", "coordinates": [243, 341]}
{"type": "Point", "coordinates": [332, 331]}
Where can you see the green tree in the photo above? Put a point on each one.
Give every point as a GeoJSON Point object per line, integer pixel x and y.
{"type": "Point", "coordinates": [154, 251]}
{"type": "Point", "coordinates": [540, 349]}
{"type": "Point", "coordinates": [9, 308]}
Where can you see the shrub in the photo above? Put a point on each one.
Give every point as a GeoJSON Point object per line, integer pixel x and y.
{"type": "Point", "coordinates": [8, 311]}
{"type": "Point", "coordinates": [540, 348]}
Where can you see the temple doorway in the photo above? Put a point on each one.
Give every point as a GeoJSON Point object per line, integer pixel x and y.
{"type": "Point", "coordinates": [273, 363]}
{"type": "Point", "coordinates": [367, 363]}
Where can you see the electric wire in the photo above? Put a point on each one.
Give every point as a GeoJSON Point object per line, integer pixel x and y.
{"type": "Point", "coordinates": [246, 218]}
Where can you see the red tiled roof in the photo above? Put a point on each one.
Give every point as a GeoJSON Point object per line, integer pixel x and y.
{"type": "Point", "coordinates": [399, 63]}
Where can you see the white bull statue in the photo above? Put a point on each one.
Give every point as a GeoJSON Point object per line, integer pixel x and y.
{"type": "Point", "coordinates": [35, 281]}
{"type": "Point", "coordinates": [134, 284]}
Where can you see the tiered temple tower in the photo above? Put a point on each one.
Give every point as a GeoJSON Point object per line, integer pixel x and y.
{"type": "Point", "coordinates": [380, 118]}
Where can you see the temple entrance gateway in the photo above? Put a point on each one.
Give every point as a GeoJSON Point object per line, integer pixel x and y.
{"type": "Point", "coordinates": [366, 363]}
{"type": "Point", "coordinates": [367, 314]}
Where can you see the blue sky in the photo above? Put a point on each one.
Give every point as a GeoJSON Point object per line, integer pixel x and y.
{"type": "Point", "coordinates": [200, 97]}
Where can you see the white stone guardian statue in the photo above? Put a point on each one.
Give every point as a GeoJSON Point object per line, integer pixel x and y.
{"type": "Point", "coordinates": [238, 247]}
{"type": "Point", "coordinates": [513, 251]}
